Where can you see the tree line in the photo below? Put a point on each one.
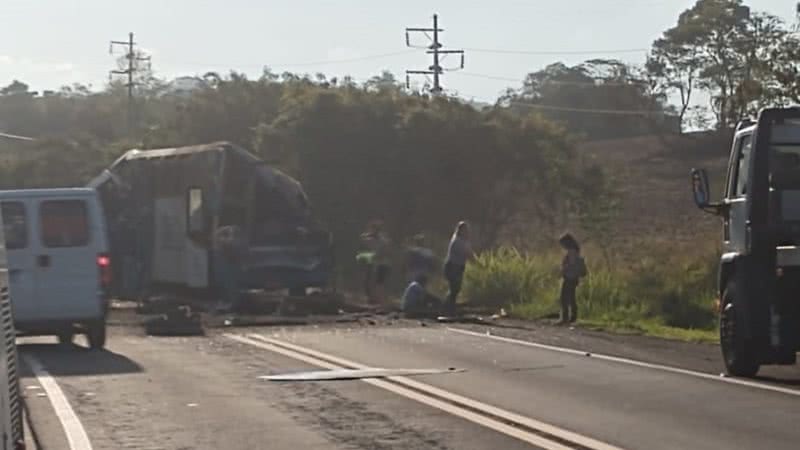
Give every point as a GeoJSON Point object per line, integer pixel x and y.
{"type": "Point", "coordinates": [375, 150]}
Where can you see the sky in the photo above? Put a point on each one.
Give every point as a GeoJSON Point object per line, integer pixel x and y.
{"type": "Point", "coordinates": [51, 43]}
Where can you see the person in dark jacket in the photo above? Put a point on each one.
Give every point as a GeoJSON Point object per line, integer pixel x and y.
{"type": "Point", "coordinates": [573, 268]}
{"type": "Point", "coordinates": [420, 260]}
{"type": "Point", "coordinates": [417, 301]}
{"type": "Point", "coordinates": [459, 252]}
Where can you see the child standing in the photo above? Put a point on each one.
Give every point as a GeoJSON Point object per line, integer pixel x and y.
{"type": "Point", "coordinates": [573, 268]}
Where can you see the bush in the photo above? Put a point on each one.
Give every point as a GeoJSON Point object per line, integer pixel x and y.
{"type": "Point", "coordinates": [663, 289]}
{"type": "Point", "coordinates": [509, 277]}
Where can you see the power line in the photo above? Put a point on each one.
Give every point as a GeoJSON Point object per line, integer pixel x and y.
{"type": "Point", "coordinates": [642, 112]}
{"type": "Point", "coordinates": [434, 49]}
{"type": "Point", "coordinates": [557, 52]}
{"type": "Point", "coordinates": [297, 64]}
{"type": "Point", "coordinates": [557, 82]}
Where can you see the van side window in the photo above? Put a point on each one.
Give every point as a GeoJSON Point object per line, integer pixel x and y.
{"type": "Point", "coordinates": [15, 225]}
{"type": "Point", "coordinates": [64, 223]}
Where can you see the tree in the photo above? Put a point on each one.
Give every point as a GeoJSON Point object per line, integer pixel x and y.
{"type": "Point", "coordinates": [386, 80]}
{"type": "Point", "coordinates": [15, 88]}
{"type": "Point", "coordinates": [674, 68]}
{"type": "Point", "coordinates": [742, 59]}
{"type": "Point", "coordinates": [570, 95]}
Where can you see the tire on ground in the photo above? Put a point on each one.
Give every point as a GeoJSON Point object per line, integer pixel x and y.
{"type": "Point", "coordinates": [739, 353]}
{"type": "Point", "coordinates": [96, 334]}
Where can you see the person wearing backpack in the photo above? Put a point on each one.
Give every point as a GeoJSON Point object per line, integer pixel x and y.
{"type": "Point", "coordinates": [573, 268]}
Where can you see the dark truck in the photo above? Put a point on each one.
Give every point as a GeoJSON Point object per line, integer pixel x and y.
{"type": "Point", "coordinates": [162, 208]}
{"type": "Point", "coordinates": [759, 275]}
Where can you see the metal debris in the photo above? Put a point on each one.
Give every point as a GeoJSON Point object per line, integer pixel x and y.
{"type": "Point", "coordinates": [355, 374]}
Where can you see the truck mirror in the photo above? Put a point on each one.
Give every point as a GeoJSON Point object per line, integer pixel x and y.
{"type": "Point", "coordinates": [700, 188]}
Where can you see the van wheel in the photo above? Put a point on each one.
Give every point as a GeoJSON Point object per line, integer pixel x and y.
{"type": "Point", "coordinates": [66, 338]}
{"type": "Point", "coordinates": [739, 355]}
{"type": "Point", "coordinates": [96, 335]}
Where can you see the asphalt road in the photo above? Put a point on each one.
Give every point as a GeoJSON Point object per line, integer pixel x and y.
{"type": "Point", "coordinates": [205, 393]}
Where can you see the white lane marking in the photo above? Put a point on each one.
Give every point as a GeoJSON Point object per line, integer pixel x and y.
{"type": "Point", "coordinates": [438, 404]}
{"type": "Point", "coordinates": [632, 362]}
{"type": "Point", "coordinates": [73, 429]}
{"type": "Point", "coordinates": [318, 358]}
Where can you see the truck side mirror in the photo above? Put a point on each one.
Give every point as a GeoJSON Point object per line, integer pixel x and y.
{"type": "Point", "coordinates": [700, 188]}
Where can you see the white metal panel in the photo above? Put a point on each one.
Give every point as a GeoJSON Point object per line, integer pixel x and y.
{"type": "Point", "coordinates": [168, 255]}
{"type": "Point", "coordinates": [176, 258]}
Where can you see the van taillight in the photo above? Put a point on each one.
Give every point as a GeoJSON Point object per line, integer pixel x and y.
{"type": "Point", "coordinates": [104, 265]}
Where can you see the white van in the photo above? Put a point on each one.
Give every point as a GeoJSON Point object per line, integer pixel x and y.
{"type": "Point", "coordinates": [58, 262]}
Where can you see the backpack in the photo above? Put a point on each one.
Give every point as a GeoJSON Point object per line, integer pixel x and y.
{"type": "Point", "coordinates": [582, 270]}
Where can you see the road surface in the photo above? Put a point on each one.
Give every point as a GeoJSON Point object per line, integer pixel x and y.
{"type": "Point", "coordinates": [205, 393]}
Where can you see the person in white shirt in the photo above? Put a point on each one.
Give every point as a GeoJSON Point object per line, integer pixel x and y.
{"type": "Point", "coordinates": [459, 252]}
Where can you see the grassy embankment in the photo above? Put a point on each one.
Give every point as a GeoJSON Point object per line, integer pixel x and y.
{"type": "Point", "coordinates": [664, 294]}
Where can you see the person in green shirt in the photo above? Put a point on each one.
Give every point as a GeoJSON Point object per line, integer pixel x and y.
{"type": "Point", "coordinates": [377, 243]}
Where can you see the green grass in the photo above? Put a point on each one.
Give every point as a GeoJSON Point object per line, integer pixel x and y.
{"type": "Point", "coordinates": [650, 328]}
{"type": "Point", "coordinates": [664, 294]}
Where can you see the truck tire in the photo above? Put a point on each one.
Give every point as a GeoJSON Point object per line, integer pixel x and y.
{"type": "Point", "coordinates": [96, 334]}
{"type": "Point", "coordinates": [739, 354]}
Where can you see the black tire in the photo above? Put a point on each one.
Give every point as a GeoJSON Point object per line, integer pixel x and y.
{"type": "Point", "coordinates": [66, 337]}
{"type": "Point", "coordinates": [739, 354]}
{"type": "Point", "coordinates": [96, 335]}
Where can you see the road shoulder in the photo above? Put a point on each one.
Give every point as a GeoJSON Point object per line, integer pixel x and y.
{"type": "Point", "coordinates": [43, 428]}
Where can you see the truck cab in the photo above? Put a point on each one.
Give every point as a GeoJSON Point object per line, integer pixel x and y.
{"type": "Point", "coordinates": [759, 276]}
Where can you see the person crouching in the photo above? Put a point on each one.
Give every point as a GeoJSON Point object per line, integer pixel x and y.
{"type": "Point", "coordinates": [418, 302]}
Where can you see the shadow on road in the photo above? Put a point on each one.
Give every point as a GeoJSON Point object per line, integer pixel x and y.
{"type": "Point", "coordinates": [61, 360]}
{"type": "Point", "coordinates": [792, 382]}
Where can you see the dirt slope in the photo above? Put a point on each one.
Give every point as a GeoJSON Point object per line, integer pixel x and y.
{"type": "Point", "coordinates": [652, 174]}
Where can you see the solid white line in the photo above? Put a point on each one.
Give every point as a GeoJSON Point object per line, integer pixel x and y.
{"type": "Point", "coordinates": [438, 404]}
{"type": "Point", "coordinates": [632, 362]}
{"type": "Point", "coordinates": [309, 355]}
{"type": "Point", "coordinates": [76, 435]}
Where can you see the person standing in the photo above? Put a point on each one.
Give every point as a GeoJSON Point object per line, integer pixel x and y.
{"type": "Point", "coordinates": [377, 241]}
{"type": "Point", "coordinates": [459, 252]}
{"type": "Point", "coordinates": [573, 268]}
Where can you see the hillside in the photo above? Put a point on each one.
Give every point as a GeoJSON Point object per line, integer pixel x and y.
{"type": "Point", "coordinates": [652, 174]}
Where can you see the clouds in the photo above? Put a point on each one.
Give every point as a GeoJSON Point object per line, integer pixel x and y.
{"type": "Point", "coordinates": [47, 74]}
{"type": "Point", "coordinates": [28, 65]}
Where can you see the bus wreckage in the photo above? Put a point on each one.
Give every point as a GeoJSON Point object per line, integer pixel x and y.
{"type": "Point", "coordinates": [163, 207]}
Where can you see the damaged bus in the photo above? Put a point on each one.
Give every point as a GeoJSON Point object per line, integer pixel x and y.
{"type": "Point", "coordinates": [163, 206]}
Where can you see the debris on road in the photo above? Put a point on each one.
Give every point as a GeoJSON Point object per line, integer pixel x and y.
{"type": "Point", "coordinates": [178, 321]}
{"type": "Point", "coordinates": [355, 374]}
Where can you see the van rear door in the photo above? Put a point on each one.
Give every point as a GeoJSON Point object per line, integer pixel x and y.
{"type": "Point", "coordinates": [67, 274]}
{"type": "Point", "coordinates": [21, 268]}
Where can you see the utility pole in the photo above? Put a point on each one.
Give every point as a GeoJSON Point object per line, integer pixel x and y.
{"type": "Point", "coordinates": [434, 49]}
{"type": "Point", "coordinates": [133, 60]}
